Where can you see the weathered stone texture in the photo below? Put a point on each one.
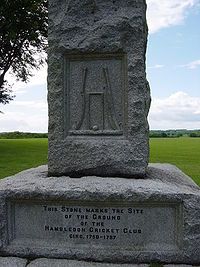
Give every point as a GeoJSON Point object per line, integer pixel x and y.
{"type": "Point", "coordinates": [163, 185]}
{"type": "Point", "coordinates": [70, 263]}
{"type": "Point", "coordinates": [12, 262]}
{"type": "Point", "coordinates": [102, 30]}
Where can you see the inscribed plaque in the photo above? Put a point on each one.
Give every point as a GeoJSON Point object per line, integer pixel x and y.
{"type": "Point", "coordinates": [134, 226]}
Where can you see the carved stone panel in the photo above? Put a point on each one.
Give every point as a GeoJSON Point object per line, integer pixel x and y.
{"type": "Point", "coordinates": [95, 95]}
{"type": "Point", "coordinates": [131, 226]}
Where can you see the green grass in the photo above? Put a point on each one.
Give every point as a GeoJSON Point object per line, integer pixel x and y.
{"type": "Point", "coordinates": [182, 152]}
{"type": "Point", "coordinates": [20, 154]}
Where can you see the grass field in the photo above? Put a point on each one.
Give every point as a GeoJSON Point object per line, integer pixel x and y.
{"type": "Point", "coordinates": [17, 155]}
{"type": "Point", "coordinates": [182, 152]}
{"type": "Point", "coordinates": [20, 154]}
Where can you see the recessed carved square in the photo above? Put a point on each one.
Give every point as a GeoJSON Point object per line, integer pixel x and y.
{"type": "Point", "coordinates": [95, 94]}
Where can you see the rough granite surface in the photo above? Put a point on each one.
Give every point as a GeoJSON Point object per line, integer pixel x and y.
{"type": "Point", "coordinates": [42, 262]}
{"type": "Point", "coordinates": [12, 262]}
{"type": "Point", "coordinates": [70, 263]}
{"type": "Point", "coordinates": [93, 37]}
{"type": "Point", "coordinates": [163, 183]}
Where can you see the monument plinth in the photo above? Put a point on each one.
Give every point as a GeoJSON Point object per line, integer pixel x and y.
{"type": "Point", "coordinates": [155, 219]}
{"type": "Point", "coordinates": [98, 123]}
{"type": "Point", "coordinates": [83, 207]}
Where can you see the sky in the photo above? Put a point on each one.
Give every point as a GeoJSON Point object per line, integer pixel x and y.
{"type": "Point", "coordinates": [173, 71]}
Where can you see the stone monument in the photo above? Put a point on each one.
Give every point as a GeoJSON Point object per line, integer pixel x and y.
{"type": "Point", "coordinates": [98, 123]}
{"type": "Point", "coordinates": [88, 204]}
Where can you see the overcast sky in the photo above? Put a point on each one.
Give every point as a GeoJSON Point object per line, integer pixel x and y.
{"type": "Point", "coordinates": [173, 70]}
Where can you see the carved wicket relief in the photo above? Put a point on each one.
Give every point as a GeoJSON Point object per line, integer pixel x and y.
{"type": "Point", "coordinates": [95, 95]}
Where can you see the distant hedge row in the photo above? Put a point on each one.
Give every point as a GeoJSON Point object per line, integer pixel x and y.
{"type": "Point", "coordinates": [21, 135]}
{"type": "Point", "coordinates": [153, 134]}
{"type": "Point", "coordinates": [174, 133]}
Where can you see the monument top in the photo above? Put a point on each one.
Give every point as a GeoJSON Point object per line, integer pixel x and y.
{"type": "Point", "coordinates": [97, 89]}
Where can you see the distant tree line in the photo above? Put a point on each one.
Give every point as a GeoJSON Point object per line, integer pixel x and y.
{"type": "Point", "coordinates": [21, 135]}
{"type": "Point", "coordinates": [153, 134]}
{"type": "Point", "coordinates": [174, 133]}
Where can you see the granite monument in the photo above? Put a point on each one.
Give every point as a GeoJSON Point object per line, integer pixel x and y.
{"type": "Point", "coordinates": [87, 204]}
{"type": "Point", "coordinates": [98, 123]}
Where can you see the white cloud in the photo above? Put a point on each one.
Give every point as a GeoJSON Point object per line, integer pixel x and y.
{"type": "Point", "coordinates": [31, 104]}
{"type": "Point", "coordinates": [179, 110]}
{"type": "Point", "coordinates": [32, 123]}
{"type": "Point", "coordinates": [166, 13]}
{"type": "Point", "coordinates": [26, 116]}
{"type": "Point", "coordinates": [192, 65]}
{"type": "Point", "coordinates": [39, 78]}
{"type": "Point", "coordinates": [157, 66]}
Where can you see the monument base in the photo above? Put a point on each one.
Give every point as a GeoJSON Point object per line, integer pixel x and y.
{"type": "Point", "coordinates": [156, 219]}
